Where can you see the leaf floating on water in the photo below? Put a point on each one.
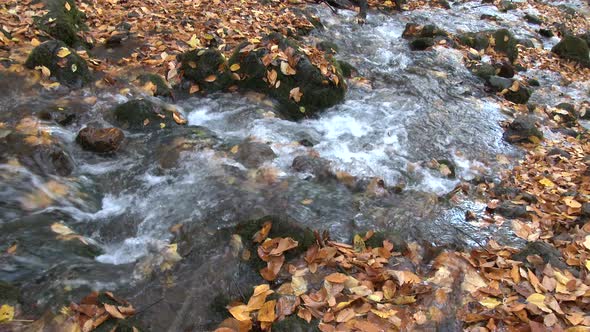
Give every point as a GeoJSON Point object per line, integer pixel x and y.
{"type": "Point", "coordinates": [61, 229]}
{"type": "Point", "coordinates": [211, 78]}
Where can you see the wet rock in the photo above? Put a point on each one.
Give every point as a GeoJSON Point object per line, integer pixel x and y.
{"type": "Point", "coordinates": [116, 39]}
{"type": "Point", "coordinates": [413, 30]}
{"type": "Point", "coordinates": [512, 211]}
{"type": "Point", "coordinates": [488, 17]}
{"type": "Point", "coordinates": [506, 5]}
{"type": "Point", "coordinates": [547, 33]}
{"type": "Point", "coordinates": [506, 70]}
{"type": "Point", "coordinates": [567, 107]}
{"type": "Point", "coordinates": [207, 68]}
{"type": "Point", "coordinates": [347, 69]}
{"type": "Point", "coordinates": [565, 113]}
{"type": "Point", "coordinates": [162, 87]}
{"type": "Point", "coordinates": [328, 47]}
{"type": "Point", "coordinates": [70, 70]}
{"type": "Point", "coordinates": [505, 86]}
{"type": "Point", "coordinates": [505, 42]}
{"type": "Point", "coordinates": [573, 48]}
{"type": "Point", "coordinates": [316, 92]}
{"type": "Point", "coordinates": [534, 19]}
{"type": "Point", "coordinates": [45, 159]}
{"type": "Point", "coordinates": [533, 82]}
{"type": "Point", "coordinates": [567, 132]}
{"type": "Point", "coordinates": [475, 40]}
{"type": "Point", "coordinates": [173, 142]}
{"type": "Point", "coordinates": [141, 114]}
{"type": "Point", "coordinates": [61, 23]}
{"type": "Point", "coordinates": [318, 167]}
{"type": "Point", "coordinates": [59, 115]}
{"type": "Point", "coordinates": [522, 129]}
{"type": "Point", "coordinates": [547, 252]}
{"type": "Point", "coordinates": [253, 154]}
{"type": "Point", "coordinates": [485, 71]}
{"type": "Point", "coordinates": [9, 293]}
{"type": "Point", "coordinates": [100, 139]}
{"type": "Point", "coordinates": [422, 43]}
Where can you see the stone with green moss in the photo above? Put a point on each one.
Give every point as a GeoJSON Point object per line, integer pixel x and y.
{"type": "Point", "coordinates": [142, 115]}
{"type": "Point", "coordinates": [485, 71]}
{"type": "Point", "coordinates": [162, 87]}
{"type": "Point", "coordinates": [70, 70]}
{"type": "Point", "coordinates": [207, 68]}
{"type": "Point", "coordinates": [505, 42]}
{"type": "Point", "coordinates": [63, 22]}
{"type": "Point", "coordinates": [573, 48]}
{"type": "Point", "coordinates": [476, 40]}
{"type": "Point", "coordinates": [346, 68]}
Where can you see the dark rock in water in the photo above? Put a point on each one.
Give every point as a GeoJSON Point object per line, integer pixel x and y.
{"type": "Point", "coordinates": [567, 132]}
{"type": "Point", "coordinates": [533, 82]}
{"type": "Point", "coordinates": [328, 47]}
{"type": "Point", "coordinates": [422, 43]}
{"type": "Point", "coordinates": [500, 83]}
{"type": "Point", "coordinates": [488, 17]}
{"type": "Point", "coordinates": [573, 48]}
{"type": "Point", "coordinates": [100, 139]}
{"type": "Point", "coordinates": [506, 43]}
{"type": "Point", "coordinates": [61, 23]}
{"type": "Point", "coordinates": [59, 115]}
{"type": "Point", "coordinates": [413, 30]}
{"type": "Point", "coordinates": [505, 85]}
{"type": "Point", "coordinates": [171, 143]}
{"type": "Point", "coordinates": [510, 210]}
{"type": "Point", "coordinates": [347, 69]}
{"type": "Point", "coordinates": [253, 154]}
{"type": "Point", "coordinates": [301, 91]}
{"type": "Point", "coordinates": [45, 159]}
{"type": "Point", "coordinates": [319, 167]}
{"type": "Point", "coordinates": [566, 106]}
{"type": "Point", "coordinates": [116, 39]}
{"type": "Point", "coordinates": [475, 40]}
{"type": "Point", "coordinates": [506, 70]}
{"type": "Point", "coordinates": [565, 113]}
{"type": "Point", "coordinates": [547, 33]}
{"type": "Point", "coordinates": [9, 293]}
{"type": "Point", "coordinates": [207, 68]}
{"type": "Point", "coordinates": [70, 70]}
{"type": "Point", "coordinates": [162, 87]}
{"type": "Point", "coordinates": [141, 114]}
{"type": "Point", "coordinates": [522, 129]}
{"type": "Point", "coordinates": [547, 252]}
{"type": "Point", "coordinates": [485, 71]}
{"type": "Point", "coordinates": [534, 19]}
{"type": "Point", "coordinates": [526, 42]}
{"type": "Point", "coordinates": [506, 5]}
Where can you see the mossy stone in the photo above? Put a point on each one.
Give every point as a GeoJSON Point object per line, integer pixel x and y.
{"type": "Point", "coordinates": [346, 68]}
{"type": "Point", "coordinates": [207, 68]}
{"type": "Point", "coordinates": [421, 43]}
{"type": "Point", "coordinates": [506, 43]}
{"type": "Point", "coordinates": [141, 115]}
{"type": "Point", "coordinates": [70, 70]}
{"type": "Point", "coordinates": [475, 40]}
{"type": "Point", "coordinates": [534, 19]}
{"type": "Point", "coordinates": [328, 47]}
{"type": "Point", "coordinates": [162, 87]}
{"type": "Point", "coordinates": [485, 71]}
{"type": "Point", "coordinates": [573, 48]}
{"type": "Point", "coordinates": [63, 22]}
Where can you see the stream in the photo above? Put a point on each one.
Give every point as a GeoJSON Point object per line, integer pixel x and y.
{"type": "Point", "coordinates": [418, 107]}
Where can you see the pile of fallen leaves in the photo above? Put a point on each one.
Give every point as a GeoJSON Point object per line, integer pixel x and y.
{"type": "Point", "coordinates": [535, 58]}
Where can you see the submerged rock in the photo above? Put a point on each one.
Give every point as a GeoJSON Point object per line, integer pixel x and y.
{"type": "Point", "coordinates": [100, 139]}
{"type": "Point", "coordinates": [46, 158]}
{"type": "Point", "coordinates": [523, 129]}
{"type": "Point", "coordinates": [573, 48]}
{"type": "Point", "coordinates": [253, 154]}
{"type": "Point", "coordinates": [141, 114]}
{"type": "Point", "coordinates": [70, 70]}
{"type": "Point", "coordinates": [422, 43]}
{"type": "Point", "coordinates": [318, 167]}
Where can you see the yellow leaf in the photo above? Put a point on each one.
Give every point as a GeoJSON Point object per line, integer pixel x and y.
{"type": "Point", "coordinates": [405, 277]}
{"type": "Point", "coordinates": [239, 312]}
{"type": "Point", "coordinates": [299, 285]}
{"type": "Point", "coordinates": [162, 125]}
{"type": "Point", "coordinates": [234, 149]}
{"type": "Point", "coordinates": [307, 201]}
{"type": "Point", "coordinates": [359, 244]}
{"type": "Point", "coordinates": [6, 313]}
{"type": "Point", "coordinates": [490, 302]}
{"type": "Point", "coordinates": [569, 201]}
{"type": "Point", "coordinates": [193, 42]}
{"type": "Point", "coordinates": [63, 52]}
{"type": "Point", "coordinates": [588, 264]}
{"type": "Point", "coordinates": [74, 67]}
{"type": "Point", "coordinates": [538, 300]}
{"type": "Point", "coordinates": [546, 182]}
{"type": "Point", "coordinates": [67, 5]}
{"type": "Point", "coordinates": [235, 67]}
{"type": "Point", "coordinates": [61, 229]}
{"type": "Point", "coordinates": [295, 94]}
{"type": "Point", "coordinates": [587, 242]}
{"type": "Point", "coordinates": [210, 78]}
{"type": "Point", "coordinates": [267, 312]}
{"type": "Point", "coordinates": [46, 72]}
{"type": "Point", "coordinates": [383, 313]}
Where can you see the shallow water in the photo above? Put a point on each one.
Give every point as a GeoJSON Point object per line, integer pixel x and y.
{"type": "Point", "coordinates": [420, 106]}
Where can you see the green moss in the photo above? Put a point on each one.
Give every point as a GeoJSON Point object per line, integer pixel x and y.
{"type": "Point", "coordinates": [328, 46]}
{"type": "Point", "coordinates": [484, 71]}
{"type": "Point", "coordinates": [506, 43]}
{"type": "Point", "coordinates": [199, 66]}
{"type": "Point", "coordinates": [133, 114]}
{"type": "Point", "coordinates": [63, 24]}
{"type": "Point", "coordinates": [162, 87]}
{"type": "Point", "coordinates": [346, 68]}
{"type": "Point", "coordinates": [71, 70]}
{"type": "Point", "coordinates": [573, 48]}
{"type": "Point", "coordinates": [476, 40]}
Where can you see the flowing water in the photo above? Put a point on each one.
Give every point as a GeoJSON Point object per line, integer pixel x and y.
{"type": "Point", "coordinates": [419, 106]}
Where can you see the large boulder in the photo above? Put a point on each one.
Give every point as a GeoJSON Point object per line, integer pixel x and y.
{"type": "Point", "coordinates": [573, 48]}
{"type": "Point", "coordinates": [475, 40]}
{"type": "Point", "coordinates": [63, 21]}
{"type": "Point", "coordinates": [279, 68]}
{"type": "Point", "coordinates": [100, 139]}
{"type": "Point", "coordinates": [207, 68]}
{"type": "Point", "coordinates": [142, 115]}
{"type": "Point", "coordinates": [253, 154]}
{"type": "Point", "coordinates": [64, 64]}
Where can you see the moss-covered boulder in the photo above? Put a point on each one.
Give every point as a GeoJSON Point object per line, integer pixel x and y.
{"type": "Point", "coordinates": [162, 88]}
{"type": "Point", "coordinates": [573, 48]}
{"type": "Point", "coordinates": [63, 21]}
{"type": "Point", "coordinates": [475, 40]}
{"type": "Point", "coordinates": [347, 69]}
{"type": "Point", "coordinates": [207, 68]}
{"type": "Point", "coordinates": [484, 70]}
{"type": "Point", "coordinates": [141, 115]}
{"type": "Point", "coordinates": [505, 42]}
{"type": "Point", "coordinates": [65, 65]}
{"type": "Point", "coordinates": [413, 30]}
{"type": "Point", "coordinates": [279, 68]}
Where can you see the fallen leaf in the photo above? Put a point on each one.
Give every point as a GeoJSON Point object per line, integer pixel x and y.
{"type": "Point", "coordinates": [6, 313]}
{"type": "Point", "coordinates": [63, 52]}
{"type": "Point", "coordinates": [267, 312]}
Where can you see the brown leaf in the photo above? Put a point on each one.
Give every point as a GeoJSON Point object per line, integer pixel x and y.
{"type": "Point", "coordinates": [113, 311]}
